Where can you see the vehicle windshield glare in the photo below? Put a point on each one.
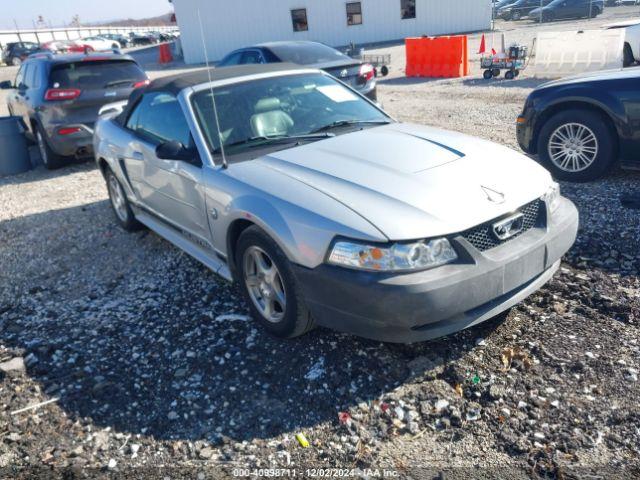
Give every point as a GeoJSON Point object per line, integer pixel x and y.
{"type": "Point", "coordinates": [299, 106]}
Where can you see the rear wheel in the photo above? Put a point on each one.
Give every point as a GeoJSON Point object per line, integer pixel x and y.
{"type": "Point", "coordinates": [628, 59]}
{"type": "Point", "coordinates": [577, 145]}
{"type": "Point", "coordinates": [269, 285]}
{"type": "Point", "coordinates": [509, 75]}
{"type": "Point", "coordinates": [50, 159]}
{"type": "Point", "coordinates": [516, 15]}
{"type": "Point", "coordinates": [495, 72]}
{"type": "Point", "coordinates": [16, 62]}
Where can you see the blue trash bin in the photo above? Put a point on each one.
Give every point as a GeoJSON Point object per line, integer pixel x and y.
{"type": "Point", "coordinates": [14, 151]}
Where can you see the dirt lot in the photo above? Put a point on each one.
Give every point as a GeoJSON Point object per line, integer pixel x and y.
{"type": "Point", "coordinates": [156, 370]}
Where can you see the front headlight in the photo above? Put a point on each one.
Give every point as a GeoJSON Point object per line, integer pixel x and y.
{"type": "Point", "coordinates": [552, 197]}
{"type": "Point", "coordinates": [397, 257]}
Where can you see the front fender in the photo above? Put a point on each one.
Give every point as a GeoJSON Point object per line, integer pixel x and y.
{"type": "Point", "coordinates": [592, 95]}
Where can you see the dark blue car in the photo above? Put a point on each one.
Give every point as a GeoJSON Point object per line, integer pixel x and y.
{"type": "Point", "coordinates": [580, 125]}
{"type": "Point", "coordinates": [563, 9]}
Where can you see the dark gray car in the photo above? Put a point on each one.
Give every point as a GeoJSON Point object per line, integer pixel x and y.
{"type": "Point", "coordinates": [59, 98]}
{"type": "Point", "coordinates": [356, 74]}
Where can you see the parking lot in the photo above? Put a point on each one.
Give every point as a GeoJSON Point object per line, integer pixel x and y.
{"type": "Point", "coordinates": [154, 362]}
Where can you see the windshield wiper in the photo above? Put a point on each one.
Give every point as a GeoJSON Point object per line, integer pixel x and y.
{"type": "Point", "coordinates": [262, 140]}
{"type": "Point", "coordinates": [346, 123]}
{"type": "Point", "coordinates": [113, 83]}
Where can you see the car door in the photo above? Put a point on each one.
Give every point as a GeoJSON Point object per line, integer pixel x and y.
{"type": "Point", "coordinates": [21, 95]}
{"type": "Point", "coordinates": [13, 99]}
{"type": "Point", "coordinates": [170, 189]}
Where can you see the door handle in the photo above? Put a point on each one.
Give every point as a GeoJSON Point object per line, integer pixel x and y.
{"type": "Point", "coordinates": [137, 156]}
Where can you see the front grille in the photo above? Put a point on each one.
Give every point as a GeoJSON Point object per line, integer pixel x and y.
{"type": "Point", "coordinates": [483, 238]}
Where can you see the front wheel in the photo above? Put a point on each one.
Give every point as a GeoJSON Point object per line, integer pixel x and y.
{"type": "Point", "coordinates": [16, 62]}
{"type": "Point", "coordinates": [269, 285]}
{"type": "Point", "coordinates": [509, 75]}
{"type": "Point", "coordinates": [120, 204]}
{"type": "Point", "coordinates": [487, 75]}
{"type": "Point", "coordinates": [577, 145]}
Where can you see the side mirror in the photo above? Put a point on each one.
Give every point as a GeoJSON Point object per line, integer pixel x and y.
{"type": "Point", "coordinates": [175, 151]}
{"type": "Point", "coordinates": [6, 85]}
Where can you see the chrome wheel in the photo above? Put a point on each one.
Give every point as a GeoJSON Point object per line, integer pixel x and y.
{"type": "Point", "coordinates": [16, 62]}
{"type": "Point", "coordinates": [42, 148]}
{"type": "Point", "coordinates": [573, 147]}
{"type": "Point", "coordinates": [264, 284]}
{"type": "Point", "coordinates": [117, 198]}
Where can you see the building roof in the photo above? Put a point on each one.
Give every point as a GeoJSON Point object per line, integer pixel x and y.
{"type": "Point", "coordinates": [178, 82]}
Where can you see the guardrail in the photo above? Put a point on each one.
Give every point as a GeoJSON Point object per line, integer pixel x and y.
{"type": "Point", "coordinates": [70, 33]}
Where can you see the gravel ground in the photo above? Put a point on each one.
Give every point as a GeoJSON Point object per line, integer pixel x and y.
{"type": "Point", "coordinates": [150, 360]}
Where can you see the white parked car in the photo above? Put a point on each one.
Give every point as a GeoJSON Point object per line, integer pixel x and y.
{"type": "Point", "coordinates": [631, 39]}
{"type": "Point", "coordinates": [99, 44]}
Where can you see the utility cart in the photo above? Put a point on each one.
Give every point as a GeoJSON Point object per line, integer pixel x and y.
{"type": "Point", "coordinates": [380, 63]}
{"type": "Point", "coordinates": [514, 61]}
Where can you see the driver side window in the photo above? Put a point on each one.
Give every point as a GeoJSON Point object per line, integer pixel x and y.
{"type": "Point", "coordinates": [158, 118]}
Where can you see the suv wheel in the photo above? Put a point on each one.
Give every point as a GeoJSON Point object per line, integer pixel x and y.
{"type": "Point", "coordinates": [576, 145]}
{"type": "Point", "coordinates": [120, 204]}
{"type": "Point", "coordinates": [16, 62]}
{"type": "Point", "coordinates": [269, 285]}
{"type": "Point", "coordinates": [50, 159]}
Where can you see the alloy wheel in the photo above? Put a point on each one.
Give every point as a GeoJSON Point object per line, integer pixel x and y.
{"type": "Point", "coordinates": [117, 198]}
{"type": "Point", "coordinates": [264, 284]}
{"type": "Point", "coordinates": [573, 147]}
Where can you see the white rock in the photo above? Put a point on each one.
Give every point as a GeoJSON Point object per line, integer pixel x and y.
{"type": "Point", "coordinates": [441, 405]}
{"type": "Point", "coordinates": [112, 464]}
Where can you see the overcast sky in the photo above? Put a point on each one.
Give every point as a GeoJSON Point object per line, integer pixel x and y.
{"type": "Point", "coordinates": [60, 12]}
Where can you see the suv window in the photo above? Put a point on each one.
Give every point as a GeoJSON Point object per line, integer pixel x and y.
{"type": "Point", "coordinates": [158, 118]}
{"type": "Point", "coordinates": [31, 75]}
{"type": "Point", "coordinates": [96, 74]}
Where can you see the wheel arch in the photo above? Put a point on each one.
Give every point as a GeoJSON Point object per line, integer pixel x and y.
{"type": "Point", "coordinates": [559, 107]}
{"type": "Point", "coordinates": [233, 235]}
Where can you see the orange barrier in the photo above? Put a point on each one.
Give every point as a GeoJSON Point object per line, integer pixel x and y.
{"type": "Point", "coordinates": [438, 57]}
{"type": "Point", "coordinates": [165, 54]}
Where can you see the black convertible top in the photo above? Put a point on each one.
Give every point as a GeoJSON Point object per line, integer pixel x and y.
{"type": "Point", "coordinates": [174, 84]}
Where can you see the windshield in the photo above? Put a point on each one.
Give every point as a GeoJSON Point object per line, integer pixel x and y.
{"type": "Point", "coordinates": [307, 53]}
{"type": "Point", "coordinates": [293, 106]}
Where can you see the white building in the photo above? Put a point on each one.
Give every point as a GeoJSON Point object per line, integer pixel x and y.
{"type": "Point", "coordinates": [231, 24]}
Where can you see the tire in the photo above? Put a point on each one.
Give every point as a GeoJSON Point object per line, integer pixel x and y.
{"type": "Point", "coordinates": [509, 75]}
{"type": "Point", "coordinates": [601, 151]}
{"type": "Point", "coordinates": [289, 320]}
{"type": "Point", "coordinates": [487, 74]}
{"type": "Point", "coordinates": [516, 15]}
{"type": "Point", "coordinates": [495, 72]}
{"type": "Point", "coordinates": [16, 62]}
{"type": "Point", "coordinates": [115, 46]}
{"type": "Point", "coordinates": [50, 159]}
{"type": "Point", "coordinates": [120, 204]}
{"type": "Point", "coordinates": [628, 59]}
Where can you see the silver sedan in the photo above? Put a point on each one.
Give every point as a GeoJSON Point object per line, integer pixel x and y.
{"type": "Point", "coordinates": [325, 209]}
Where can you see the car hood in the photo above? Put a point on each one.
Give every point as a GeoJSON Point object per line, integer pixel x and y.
{"type": "Point", "coordinates": [598, 76]}
{"type": "Point", "coordinates": [415, 182]}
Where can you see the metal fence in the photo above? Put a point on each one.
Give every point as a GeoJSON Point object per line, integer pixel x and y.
{"type": "Point", "coordinates": [71, 33]}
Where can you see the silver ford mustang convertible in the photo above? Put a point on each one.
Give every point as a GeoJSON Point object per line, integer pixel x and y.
{"type": "Point", "coordinates": [327, 211]}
